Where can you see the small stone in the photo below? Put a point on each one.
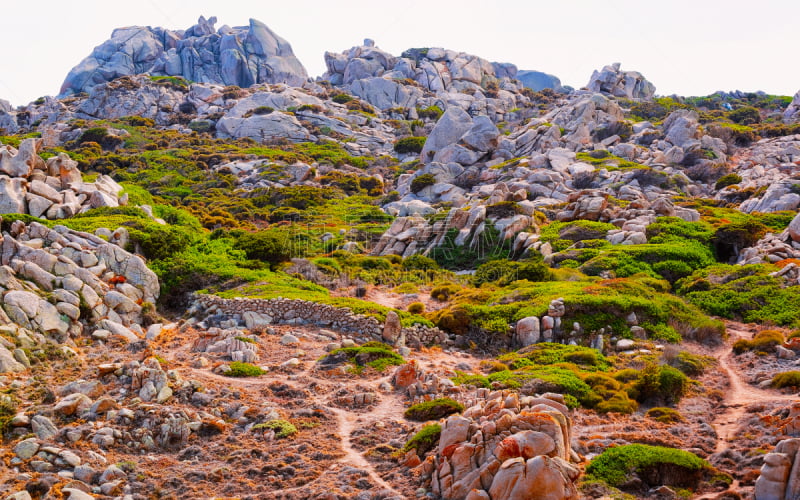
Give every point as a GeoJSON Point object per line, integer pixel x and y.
{"type": "Point", "coordinates": [289, 339]}
{"type": "Point", "coordinates": [26, 449]}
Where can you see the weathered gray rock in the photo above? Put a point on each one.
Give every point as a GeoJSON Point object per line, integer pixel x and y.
{"type": "Point", "coordinates": [629, 84]}
{"type": "Point", "coordinates": [454, 123]}
{"type": "Point", "coordinates": [21, 162]}
{"type": "Point", "coordinates": [12, 195]}
{"type": "Point", "coordinates": [26, 449]}
{"type": "Point", "coordinates": [240, 56]}
{"type": "Point", "coordinates": [794, 228]}
{"type": "Point", "coordinates": [792, 112]}
{"type": "Point", "coordinates": [385, 94]}
{"type": "Point", "coordinates": [537, 80]}
{"type": "Point", "coordinates": [779, 479]}
{"type": "Point", "coordinates": [8, 363]}
{"type": "Point", "coordinates": [43, 427]}
{"type": "Point", "coordinates": [392, 327]}
{"type": "Point", "coordinates": [527, 331]}
{"type": "Point", "coordinates": [263, 128]}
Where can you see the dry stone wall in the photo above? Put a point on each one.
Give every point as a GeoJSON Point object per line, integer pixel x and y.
{"type": "Point", "coordinates": [254, 313]}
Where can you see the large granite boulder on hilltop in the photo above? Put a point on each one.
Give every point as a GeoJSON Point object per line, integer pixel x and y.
{"type": "Point", "coordinates": [792, 112]}
{"type": "Point", "coordinates": [242, 55]}
{"type": "Point", "coordinates": [629, 84]}
{"type": "Point", "coordinates": [537, 80]}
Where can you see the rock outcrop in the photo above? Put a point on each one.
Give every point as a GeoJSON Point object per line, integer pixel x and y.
{"type": "Point", "coordinates": [629, 84]}
{"type": "Point", "coordinates": [792, 112]}
{"type": "Point", "coordinates": [537, 80]}
{"type": "Point", "coordinates": [242, 56]}
{"type": "Point", "coordinates": [59, 283]}
{"type": "Point", "coordinates": [780, 474]}
{"type": "Point", "coordinates": [52, 189]}
{"type": "Point", "coordinates": [505, 447]}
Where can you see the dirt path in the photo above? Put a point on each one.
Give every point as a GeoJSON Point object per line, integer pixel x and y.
{"type": "Point", "coordinates": [390, 407]}
{"type": "Point", "coordinates": [739, 394]}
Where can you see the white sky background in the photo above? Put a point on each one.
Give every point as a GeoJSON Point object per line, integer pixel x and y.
{"type": "Point", "coordinates": [685, 47]}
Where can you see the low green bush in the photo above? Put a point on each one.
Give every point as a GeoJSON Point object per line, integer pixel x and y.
{"type": "Point", "coordinates": [282, 428]}
{"type": "Point", "coordinates": [727, 180]}
{"type": "Point", "coordinates": [444, 292]}
{"type": "Point", "coordinates": [272, 246]}
{"type": "Point", "coordinates": [409, 145]}
{"type": "Point", "coordinates": [416, 308]}
{"type": "Point", "coordinates": [660, 383]}
{"type": "Point", "coordinates": [433, 410]}
{"type": "Point", "coordinates": [431, 112]}
{"type": "Point", "coordinates": [376, 355]}
{"type": "Point", "coordinates": [618, 465]}
{"type": "Point", "coordinates": [342, 98]}
{"type": "Point", "coordinates": [424, 440]}
{"type": "Point", "coordinates": [664, 415]}
{"type": "Point", "coordinates": [786, 379]}
{"type": "Point", "coordinates": [618, 403]}
{"type": "Point", "coordinates": [764, 341]}
{"type": "Point", "coordinates": [419, 262]}
{"type": "Point", "coordinates": [240, 369]}
{"type": "Point", "coordinates": [503, 272]}
{"type": "Point", "coordinates": [692, 365]}
{"type": "Point", "coordinates": [420, 182]}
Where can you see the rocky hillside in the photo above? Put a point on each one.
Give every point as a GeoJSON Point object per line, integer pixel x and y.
{"type": "Point", "coordinates": [422, 275]}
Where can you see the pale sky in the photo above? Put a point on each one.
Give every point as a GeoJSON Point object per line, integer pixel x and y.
{"type": "Point", "coordinates": [685, 47]}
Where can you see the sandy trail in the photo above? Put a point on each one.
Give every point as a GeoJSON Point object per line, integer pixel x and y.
{"type": "Point", "coordinates": [739, 394]}
{"type": "Point", "coordinates": [346, 422]}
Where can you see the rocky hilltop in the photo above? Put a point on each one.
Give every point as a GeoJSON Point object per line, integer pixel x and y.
{"type": "Point", "coordinates": [419, 275]}
{"type": "Point", "coordinates": [242, 55]}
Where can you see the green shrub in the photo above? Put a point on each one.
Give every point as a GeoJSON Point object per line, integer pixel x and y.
{"type": "Point", "coordinates": [727, 180]}
{"type": "Point", "coordinates": [424, 440]}
{"type": "Point", "coordinates": [433, 410]}
{"type": "Point", "coordinates": [376, 355]}
{"type": "Point", "coordinates": [664, 415]}
{"type": "Point", "coordinates": [200, 126]}
{"type": "Point", "coordinates": [503, 272]}
{"type": "Point", "coordinates": [100, 136]}
{"type": "Point", "coordinates": [416, 308]}
{"type": "Point", "coordinates": [786, 379]}
{"type": "Point", "coordinates": [272, 246]}
{"type": "Point", "coordinates": [342, 98]}
{"type": "Point", "coordinates": [764, 341]}
{"type": "Point", "coordinates": [443, 293]}
{"type": "Point", "coordinates": [8, 409]}
{"type": "Point", "coordinates": [420, 182]}
{"type": "Point", "coordinates": [419, 262]}
{"type": "Point", "coordinates": [661, 383]}
{"type": "Point", "coordinates": [692, 365]}
{"type": "Point", "coordinates": [431, 112]}
{"type": "Point", "coordinates": [746, 115]}
{"type": "Point", "coordinates": [618, 403]}
{"type": "Point", "coordinates": [737, 235]}
{"type": "Point", "coordinates": [617, 465]}
{"type": "Point", "coordinates": [240, 369]}
{"type": "Point", "coordinates": [550, 353]}
{"type": "Point", "coordinates": [409, 145]}
{"type": "Point", "coordinates": [282, 428]}
{"type": "Point", "coordinates": [263, 110]}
